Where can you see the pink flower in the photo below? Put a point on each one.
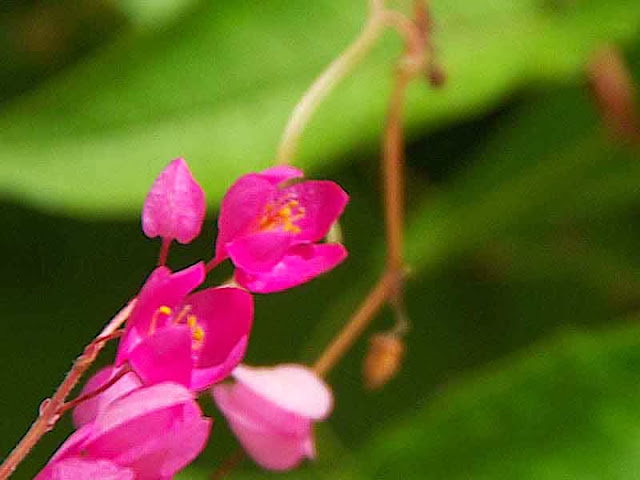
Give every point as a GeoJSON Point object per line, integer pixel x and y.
{"type": "Point", "coordinates": [194, 340]}
{"type": "Point", "coordinates": [87, 411]}
{"type": "Point", "coordinates": [149, 434]}
{"type": "Point", "coordinates": [174, 208]}
{"type": "Point", "coordinates": [269, 228]}
{"type": "Point", "coordinates": [271, 411]}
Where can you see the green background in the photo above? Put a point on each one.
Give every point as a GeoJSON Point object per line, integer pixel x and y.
{"type": "Point", "coordinates": [524, 355]}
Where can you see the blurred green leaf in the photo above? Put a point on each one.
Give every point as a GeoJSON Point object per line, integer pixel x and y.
{"type": "Point", "coordinates": [564, 410]}
{"type": "Point", "coordinates": [217, 87]}
{"type": "Point", "coordinates": [551, 166]}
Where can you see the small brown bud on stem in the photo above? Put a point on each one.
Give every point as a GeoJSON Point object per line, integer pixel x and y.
{"type": "Point", "coordinates": [383, 360]}
{"type": "Point", "coordinates": [615, 93]}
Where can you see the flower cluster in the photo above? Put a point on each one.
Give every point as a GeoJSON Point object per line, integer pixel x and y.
{"type": "Point", "coordinates": [138, 418]}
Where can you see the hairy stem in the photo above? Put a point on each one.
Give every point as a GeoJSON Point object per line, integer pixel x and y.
{"type": "Point", "coordinates": [52, 410]}
{"type": "Point", "coordinates": [354, 328]}
{"type": "Point", "coordinates": [94, 393]}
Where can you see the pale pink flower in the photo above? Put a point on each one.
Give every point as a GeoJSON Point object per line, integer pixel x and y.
{"type": "Point", "coordinates": [174, 208]}
{"type": "Point", "coordinates": [153, 432]}
{"type": "Point", "coordinates": [270, 223]}
{"type": "Point", "coordinates": [272, 410]}
{"type": "Point", "coordinates": [192, 339]}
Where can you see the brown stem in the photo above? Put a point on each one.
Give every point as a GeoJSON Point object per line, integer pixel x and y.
{"type": "Point", "coordinates": [87, 396]}
{"type": "Point", "coordinates": [229, 464]}
{"type": "Point", "coordinates": [164, 251]}
{"type": "Point", "coordinates": [392, 170]}
{"type": "Point", "coordinates": [50, 413]}
{"type": "Point", "coordinates": [390, 286]}
{"type": "Point", "coordinates": [350, 333]}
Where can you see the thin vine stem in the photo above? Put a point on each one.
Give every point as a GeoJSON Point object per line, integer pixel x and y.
{"type": "Point", "coordinates": [51, 412]}
{"type": "Point", "coordinates": [325, 83]}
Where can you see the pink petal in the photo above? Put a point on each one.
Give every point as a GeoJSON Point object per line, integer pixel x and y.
{"type": "Point", "coordinates": [174, 207]}
{"type": "Point", "coordinates": [162, 456]}
{"type": "Point", "coordinates": [72, 446]}
{"type": "Point", "coordinates": [274, 438]}
{"type": "Point", "coordinates": [300, 264]}
{"type": "Point", "coordinates": [80, 469]}
{"type": "Point", "coordinates": [323, 201]}
{"type": "Point", "coordinates": [149, 401]}
{"type": "Point", "coordinates": [293, 388]}
{"type": "Point", "coordinates": [241, 207]}
{"type": "Point", "coordinates": [206, 376]}
{"type": "Point", "coordinates": [162, 289]}
{"type": "Point", "coordinates": [225, 315]}
{"type": "Point", "coordinates": [259, 252]}
{"type": "Point", "coordinates": [281, 173]}
{"type": "Point", "coordinates": [154, 431]}
{"type": "Point", "coordinates": [87, 410]}
{"type": "Point", "coordinates": [165, 356]}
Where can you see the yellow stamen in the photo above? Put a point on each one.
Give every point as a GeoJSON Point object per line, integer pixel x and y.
{"type": "Point", "coordinates": [198, 334]}
{"type": "Point", "coordinates": [163, 310]}
{"type": "Point", "coordinates": [283, 217]}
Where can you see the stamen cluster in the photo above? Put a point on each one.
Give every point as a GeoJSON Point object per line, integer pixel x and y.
{"type": "Point", "coordinates": [138, 418]}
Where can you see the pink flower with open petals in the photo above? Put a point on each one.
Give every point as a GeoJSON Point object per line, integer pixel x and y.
{"type": "Point", "coordinates": [149, 434]}
{"type": "Point", "coordinates": [192, 339]}
{"type": "Point", "coordinates": [272, 410]}
{"type": "Point", "coordinates": [174, 208]}
{"type": "Point", "coordinates": [269, 225]}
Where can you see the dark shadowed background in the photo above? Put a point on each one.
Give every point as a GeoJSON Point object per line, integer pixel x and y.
{"type": "Point", "coordinates": [523, 229]}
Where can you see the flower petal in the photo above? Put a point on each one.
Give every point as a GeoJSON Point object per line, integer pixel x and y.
{"type": "Point", "coordinates": [294, 388]}
{"type": "Point", "coordinates": [164, 356]}
{"type": "Point", "coordinates": [274, 439]}
{"type": "Point", "coordinates": [163, 455]}
{"type": "Point", "coordinates": [323, 201]}
{"type": "Point", "coordinates": [281, 173]}
{"type": "Point", "coordinates": [154, 431]}
{"type": "Point", "coordinates": [241, 207]}
{"type": "Point", "coordinates": [175, 206]}
{"type": "Point", "coordinates": [162, 289]}
{"type": "Point", "coordinates": [80, 469]}
{"type": "Point", "coordinates": [300, 264]}
{"type": "Point", "coordinates": [145, 401]}
{"type": "Point", "coordinates": [86, 411]}
{"type": "Point", "coordinates": [225, 315]}
{"type": "Point", "coordinates": [259, 252]}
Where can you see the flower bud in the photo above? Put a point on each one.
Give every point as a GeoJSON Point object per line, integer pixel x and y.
{"type": "Point", "coordinates": [383, 360]}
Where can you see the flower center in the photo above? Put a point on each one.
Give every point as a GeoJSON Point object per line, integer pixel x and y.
{"type": "Point", "coordinates": [184, 316]}
{"type": "Point", "coordinates": [282, 214]}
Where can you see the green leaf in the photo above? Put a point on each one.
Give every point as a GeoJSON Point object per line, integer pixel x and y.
{"type": "Point", "coordinates": [551, 165]}
{"type": "Point", "coordinates": [218, 85]}
{"type": "Point", "coordinates": [563, 410]}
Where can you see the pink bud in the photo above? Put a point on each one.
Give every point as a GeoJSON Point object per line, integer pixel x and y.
{"type": "Point", "coordinates": [271, 411]}
{"type": "Point", "coordinates": [175, 206]}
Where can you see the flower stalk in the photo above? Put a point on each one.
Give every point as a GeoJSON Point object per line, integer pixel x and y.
{"type": "Point", "coordinates": [52, 410]}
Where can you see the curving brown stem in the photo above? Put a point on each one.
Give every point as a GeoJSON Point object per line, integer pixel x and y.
{"type": "Point", "coordinates": [51, 412]}
{"type": "Point", "coordinates": [325, 83]}
{"type": "Point", "coordinates": [353, 329]}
